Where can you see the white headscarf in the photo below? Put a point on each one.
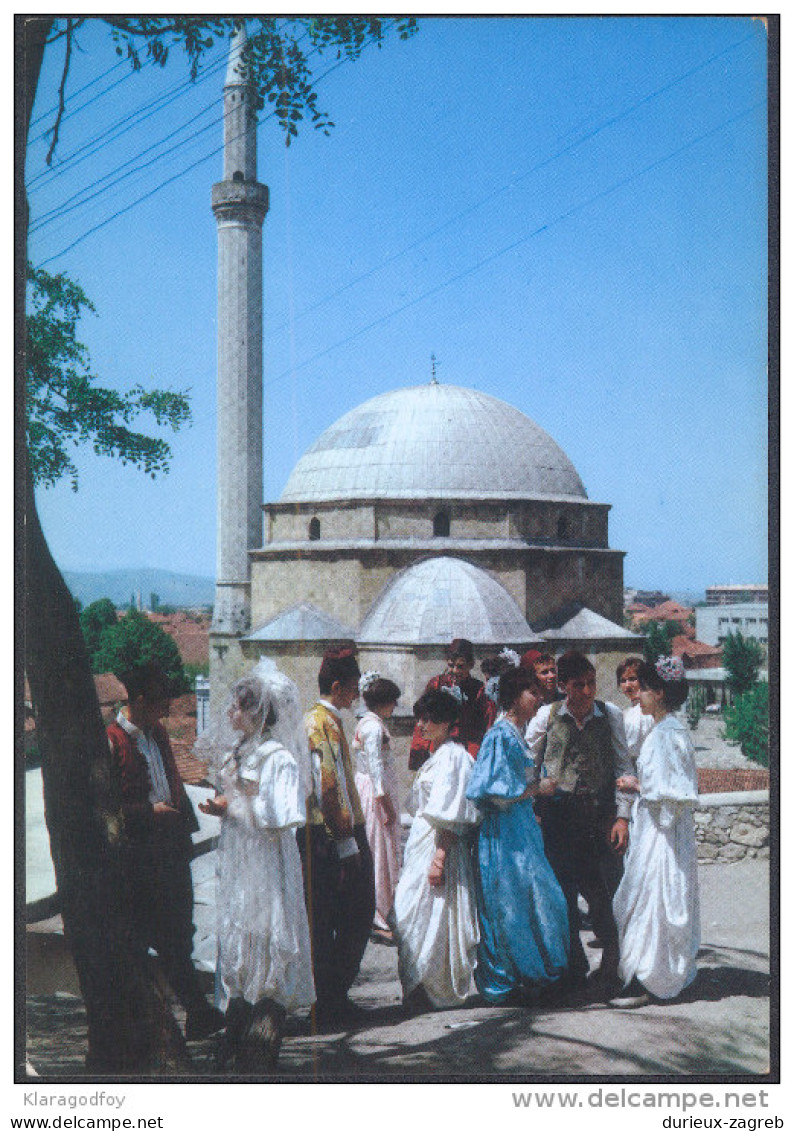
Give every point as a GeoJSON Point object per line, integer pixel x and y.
{"type": "Point", "coordinates": [260, 691]}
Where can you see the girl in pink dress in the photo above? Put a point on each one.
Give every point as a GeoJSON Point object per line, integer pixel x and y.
{"type": "Point", "coordinates": [376, 781]}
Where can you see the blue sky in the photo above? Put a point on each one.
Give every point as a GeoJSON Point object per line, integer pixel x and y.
{"type": "Point", "coordinates": [570, 213]}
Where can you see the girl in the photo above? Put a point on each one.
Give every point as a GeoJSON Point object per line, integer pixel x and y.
{"type": "Point", "coordinates": [636, 724]}
{"type": "Point", "coordinates": [656, 906]}
{"type": "Point", "coordinates": [376, 782]}
{"type": "Point", "coordinates": [523, 915]}
{"type": "Point", "coordinates": [264, 960]}
{"type": "Point", "coordinates": [434, 906]}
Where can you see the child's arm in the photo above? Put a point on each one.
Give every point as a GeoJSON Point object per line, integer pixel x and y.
{"type": "Point", "coordinates": [214, 806]}
{"type": "Point", "coordinates": [444, 841]}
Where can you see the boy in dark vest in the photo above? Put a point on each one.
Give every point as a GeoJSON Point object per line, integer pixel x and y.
{"type": "Point", "coordinates": [581, 743]}
{"type": "Point", "coordinates": [158, 821]}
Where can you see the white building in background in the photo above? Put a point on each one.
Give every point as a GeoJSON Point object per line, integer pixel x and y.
{"type": "Point", "coordinates": [737, 594]}
{"type": "Point", "coordinates": [713, 623]}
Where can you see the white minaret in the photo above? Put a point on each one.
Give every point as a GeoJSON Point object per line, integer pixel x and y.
{"type": "Point", "coordinates": [240, 204]}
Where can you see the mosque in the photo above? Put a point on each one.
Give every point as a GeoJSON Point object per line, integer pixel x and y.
{"type": "Point", "coordinates": [428, 512]}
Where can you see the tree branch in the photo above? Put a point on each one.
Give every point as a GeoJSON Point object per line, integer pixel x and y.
{"type": "Point", "coordinates": [61, 91]}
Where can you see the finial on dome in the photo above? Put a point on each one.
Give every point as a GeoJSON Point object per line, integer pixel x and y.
{"type": "Point", "coordinates": [236, 72]}
{"type": "Point", "coordinates": [433, 378]}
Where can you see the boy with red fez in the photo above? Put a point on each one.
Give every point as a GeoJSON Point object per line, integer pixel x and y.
{"type": "Point", "coordinates": [158, 821]}
{"type": "Point", "coordinates": [582, 744]}
{"type": "Point", "coordinates": [337, 863]}
{"type": "Point", "coordinates": [473, 719]}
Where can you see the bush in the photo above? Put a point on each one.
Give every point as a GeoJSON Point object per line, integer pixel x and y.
{"type": "Point", "coordinates": [747, 722]}
{"type": "Point", "coordinates": [695, 706]}
{"type": "Point", "coordinates": [136, 640]}
{"type": "Point", "coordinates": [659, 639]}
{"type": "Point", "coordinates": [94, 619]}
{"type": "Point", "coordinates": [742, 658]}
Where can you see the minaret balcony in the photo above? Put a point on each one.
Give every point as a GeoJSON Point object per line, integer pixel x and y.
{"type": "Point", "coordinates": [240, 200]}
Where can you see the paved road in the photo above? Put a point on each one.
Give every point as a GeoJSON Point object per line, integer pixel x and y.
{"type": "Point", "coordinates": [720, 1027]}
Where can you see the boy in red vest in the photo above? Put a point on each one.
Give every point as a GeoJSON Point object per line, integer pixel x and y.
{"type": "Point", "coordinates": [158, 821]}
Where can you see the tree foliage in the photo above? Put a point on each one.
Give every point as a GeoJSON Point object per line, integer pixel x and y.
{"type": "Point", "coordinates": [747, 722]}
{"type": "Point", "coordinates": [94, 619]}
{"type": "Point", "coordinates": [742, 658]}
{"type": "Point", "coordinates": [135, 640]}
{"type": "Point", "coordinates": [695, 706]}
{"type": "Point", "coordinates": [66, 408]}
{"type": "Point", "coordinates": [280, 53]}
{"type": "Point", "coordinates": [659, 639]}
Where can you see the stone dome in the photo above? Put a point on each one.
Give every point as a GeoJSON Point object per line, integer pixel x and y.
{"type": "Point", "coordinates": [438, 599]}
{"type": "Point", "coordinates": [433, 441]}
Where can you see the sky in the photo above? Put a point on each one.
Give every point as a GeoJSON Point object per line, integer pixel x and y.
{"type": "Point", "coordinates": [568, 212]}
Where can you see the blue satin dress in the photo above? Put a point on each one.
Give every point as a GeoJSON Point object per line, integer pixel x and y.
{"type": "Point", "coordinates": [524, 940]}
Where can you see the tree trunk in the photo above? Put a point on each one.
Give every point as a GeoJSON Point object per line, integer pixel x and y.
{"type": "Point", "coordinates": [130, 1028]}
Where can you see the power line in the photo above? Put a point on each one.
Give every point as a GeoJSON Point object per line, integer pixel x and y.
{"type": "Point", "coordinates": [133, 119]}
{"type": "Point", "coordinates": [53, 109]}
{"type": "Point", "coordinates": [165, 183]}
{"type": "Point", "coordinates": [605, 124]}
{"type": "Point", "coordinates": [60, 211]}
{"type": "Point", "coordinates": [517, 243]}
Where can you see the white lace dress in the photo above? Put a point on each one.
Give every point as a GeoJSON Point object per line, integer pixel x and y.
{"type": "Point", "coordinates": [656, 907]}
{"type": "Point", "coordinates": [637, 727]}
{"type": "Point", "coordinates": [263, 933]}
{"type": "Point", "coordinates": [436, 927]}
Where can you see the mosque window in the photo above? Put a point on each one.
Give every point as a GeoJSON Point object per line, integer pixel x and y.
{"type": "Point", "coordinates": [562, 526]}
{"type": "Point", "coordinates": [314, 530]}
{"type": "Point", "coordinates": [238, 176]}
{"type": "Point", "coordinates": [441, 525]}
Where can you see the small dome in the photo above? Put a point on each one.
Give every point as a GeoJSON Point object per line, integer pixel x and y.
{"type": "Point", "coordinates": [441, 598]}
{"type": "Point", "coordinates": [433, 441]}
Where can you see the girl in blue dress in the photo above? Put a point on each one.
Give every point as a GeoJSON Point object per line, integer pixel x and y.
{"type": "Point", "coordinates": [524, 940]}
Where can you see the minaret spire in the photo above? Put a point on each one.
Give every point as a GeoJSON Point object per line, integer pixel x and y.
{"type": "Point", "coordinates": [240, 204]}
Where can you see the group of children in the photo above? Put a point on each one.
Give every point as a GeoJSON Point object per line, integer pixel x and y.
{"type": "Point", "coordinates": [528, 793]}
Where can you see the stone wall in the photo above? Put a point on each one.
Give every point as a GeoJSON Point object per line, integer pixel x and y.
{"type": "Point", "coordinates": [732, 826]}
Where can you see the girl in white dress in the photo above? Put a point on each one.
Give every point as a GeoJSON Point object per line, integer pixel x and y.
{"type": "Point", "coordinates": [262, 779]}
{"type": "Point", "coordinates": [378, 790]}
{"type": "Point", "coordinates": [656, 906]}
{"type": "Point", "coordinates": [435, 910]}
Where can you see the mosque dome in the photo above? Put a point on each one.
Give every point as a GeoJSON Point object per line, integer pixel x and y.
{"type": "Point", "coordinates": [440, 598]}
{"type": "Point", "coordinates": [433, 441]}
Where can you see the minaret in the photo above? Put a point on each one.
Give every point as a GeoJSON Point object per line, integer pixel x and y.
{"type": "Point", "coordinates": [240, 204]}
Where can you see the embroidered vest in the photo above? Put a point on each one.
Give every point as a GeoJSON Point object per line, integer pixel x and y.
{"type": "Point", "coordinates": [582, 761]}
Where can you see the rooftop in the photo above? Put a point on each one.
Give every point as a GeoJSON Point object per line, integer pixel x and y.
{"type": "Point", "coordinates": [433, 441]}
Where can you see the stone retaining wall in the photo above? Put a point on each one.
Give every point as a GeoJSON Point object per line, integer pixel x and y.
{"type": "Point", "coordinates": [732, 826]}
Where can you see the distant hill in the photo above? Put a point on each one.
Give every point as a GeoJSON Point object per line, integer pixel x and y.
{"type": "Point", "coordinates": [181, 589]}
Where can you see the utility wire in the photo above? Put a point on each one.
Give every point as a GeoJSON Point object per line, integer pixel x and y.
{"type": "Point", "coordinates": [177, 91]}
{"type": "Point", "coordinates": [59, 211]}
{"type": "Point", "coordinates": [519, 242]}
{"type": "Point", "coordinates": [54, 109]}
{"type": "Point", "coordinates": [133, 119]}
{"type": "Point", "coordinates": [605, 124]}
{"type": "Point", "coordinates": [165, 183]}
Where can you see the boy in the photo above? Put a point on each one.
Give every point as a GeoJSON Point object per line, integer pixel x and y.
{"type": "Point", "coordinates": [337, 863]}
{"type": "Point", "coordinates": [158, 821]}
{"type": "Point", "coordinates": [544, 666]}
{"type": "Point", "coordinates": [582, 743]}
{"type": "Point", "coordinates": [636, 724]}
{"type": "Point", "coordinates": [473, 721]}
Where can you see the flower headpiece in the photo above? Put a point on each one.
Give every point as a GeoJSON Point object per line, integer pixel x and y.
{"type": "Point", "coordinates": [510, 657]}
{"type": "Point", "coordinates": [454, 691]}
{"type": "Point", "coordinates": [367, 680]}
{"type": "Point", "coordinates": [670, 668]}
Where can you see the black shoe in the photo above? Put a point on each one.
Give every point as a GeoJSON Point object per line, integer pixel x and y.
{"type": "Point", "coordinates": [204, 1022]}
{"type": "Point", "coordinates": [417, 1002]}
